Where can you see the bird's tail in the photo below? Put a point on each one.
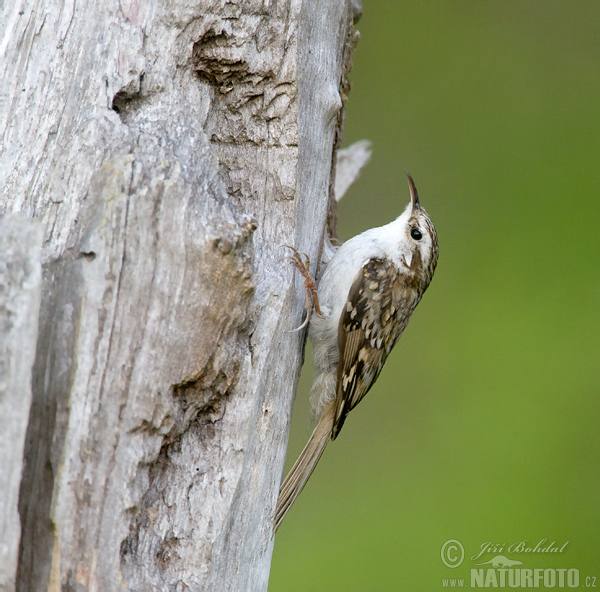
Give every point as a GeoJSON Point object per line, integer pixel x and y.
{"type": "Point", "coordinates": [307, 461]}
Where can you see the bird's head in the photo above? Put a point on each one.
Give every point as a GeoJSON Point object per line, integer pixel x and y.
{"type": "Point", "coordinates": [420, 239]}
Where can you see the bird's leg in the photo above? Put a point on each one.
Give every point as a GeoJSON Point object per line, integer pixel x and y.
{"type": "Point", "coordinates": [310, 286]}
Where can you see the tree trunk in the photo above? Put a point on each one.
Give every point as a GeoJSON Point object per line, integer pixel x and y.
{"type": "Point", "coordinates": [20, 281]}
{"type": "Point", "coordinates": [169, 148]}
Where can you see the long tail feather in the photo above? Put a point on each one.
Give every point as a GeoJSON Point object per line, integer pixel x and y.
{"type": "Point", "coordinates": [307, 461]}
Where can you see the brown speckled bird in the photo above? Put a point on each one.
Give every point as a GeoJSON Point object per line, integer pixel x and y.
{"type": "Point", "coordinates": [366, 297]}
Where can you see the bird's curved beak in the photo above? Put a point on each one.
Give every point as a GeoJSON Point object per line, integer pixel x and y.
{"type": "Point", "coordinates": [414, 196]}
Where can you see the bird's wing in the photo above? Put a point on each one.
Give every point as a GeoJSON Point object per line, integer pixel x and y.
{"type": "Point", "coordinates": [378, 308]}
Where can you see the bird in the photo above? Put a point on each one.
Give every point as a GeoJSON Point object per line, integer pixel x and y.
{"type": "Point", "coordinates": [362, 304]}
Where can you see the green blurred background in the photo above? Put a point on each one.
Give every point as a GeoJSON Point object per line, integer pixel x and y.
{"type": "Point", "coordinates": [484, 425]}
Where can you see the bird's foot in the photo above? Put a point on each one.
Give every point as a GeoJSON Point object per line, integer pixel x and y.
{"type": "Point", "coordinates": [301, 262]}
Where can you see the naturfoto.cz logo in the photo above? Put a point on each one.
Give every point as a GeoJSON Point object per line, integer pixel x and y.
{"type": "Point", "coordinates": [502, 571]}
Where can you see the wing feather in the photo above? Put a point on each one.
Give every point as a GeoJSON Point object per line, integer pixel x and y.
{"type": "Point", "coordinates": [379, 306]}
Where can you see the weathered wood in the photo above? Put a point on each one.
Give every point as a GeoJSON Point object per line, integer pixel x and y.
{"type": "Point", "coordinates": [350, 162]}
{"type": "Point", "coordinates": [20, 283]}
{"type": "Point", "coordinates": [169, 149]}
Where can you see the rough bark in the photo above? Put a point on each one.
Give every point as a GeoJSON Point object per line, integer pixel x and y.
{"type": "Point", "coordinates": [169, 148]}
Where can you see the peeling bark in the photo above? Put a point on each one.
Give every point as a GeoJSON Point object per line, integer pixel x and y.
{"type": "Point", "coordinates": [169, 149]}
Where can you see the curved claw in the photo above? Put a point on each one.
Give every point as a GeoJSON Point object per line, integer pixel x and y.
{"type": "Point", "coordinates": [303, 266]}
{"type": "Point", "coordinates": [308, 315]}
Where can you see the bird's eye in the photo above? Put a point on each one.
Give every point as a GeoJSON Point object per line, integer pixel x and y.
{"type": "Point", "coordinates": [416, 234]}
